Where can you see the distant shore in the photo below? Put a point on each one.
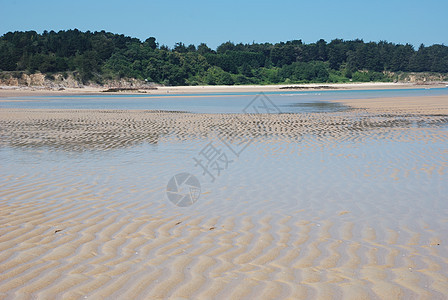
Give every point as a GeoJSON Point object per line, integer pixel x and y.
{"type": "Point", "coordinates": [23, 91]}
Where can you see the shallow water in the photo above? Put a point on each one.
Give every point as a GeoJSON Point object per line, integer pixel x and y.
{"type": "Point", "coordinates": [383, 166]}
{"type": "Point", "coordinates": [401, 173]}
{"type": "Point", "coordinates": [284, 101]}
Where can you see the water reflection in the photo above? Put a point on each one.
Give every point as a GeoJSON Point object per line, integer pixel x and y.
{"type": "Point", "coordinates": [318, 107]}
{"type": "Point", "coordinates": [289, 101]}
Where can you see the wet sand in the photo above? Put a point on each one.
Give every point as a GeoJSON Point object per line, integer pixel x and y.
{"type": "Point", "coordinates": [346, 205]}
{"type": "Point", "coordinates": [429, 105]}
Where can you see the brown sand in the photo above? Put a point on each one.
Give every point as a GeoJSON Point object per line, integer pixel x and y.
{"type": "Point", "coordinates": [84, 246]}
{"type": "Point", "coordinates": [69, 251]}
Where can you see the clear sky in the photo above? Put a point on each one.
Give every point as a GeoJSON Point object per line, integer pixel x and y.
{"type": "Point", "coordinates": [214, 22]}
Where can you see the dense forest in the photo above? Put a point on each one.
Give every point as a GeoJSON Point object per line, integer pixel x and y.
{"type": "Point", "coordinates": [98, 56]}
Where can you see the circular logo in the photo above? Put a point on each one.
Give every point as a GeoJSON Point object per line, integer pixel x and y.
{"type": "Point", "coordinates": [183, 189]}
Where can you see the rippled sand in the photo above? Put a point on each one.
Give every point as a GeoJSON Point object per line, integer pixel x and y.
{"type": "Point", "coordinates": [350, 205]}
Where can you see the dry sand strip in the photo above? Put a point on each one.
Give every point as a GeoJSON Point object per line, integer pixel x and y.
{"type": "Point", "coordinates": [22, 91]}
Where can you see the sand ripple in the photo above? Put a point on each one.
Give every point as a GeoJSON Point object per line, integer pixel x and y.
{"type": "Point", "coordinates": [73, 251]}
{"type": "Point", "coordinates": [89, 235]}
{"type": "Point", "coordinates": [78, 130]}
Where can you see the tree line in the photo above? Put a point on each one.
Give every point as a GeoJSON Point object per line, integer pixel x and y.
{"type": "Point", "coordinates": [96, 56]}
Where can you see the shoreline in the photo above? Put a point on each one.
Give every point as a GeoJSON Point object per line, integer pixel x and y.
{"type": "Point", "coordinates": [418, 105]}
{"type": "Point", "coordinates": [24, 91]}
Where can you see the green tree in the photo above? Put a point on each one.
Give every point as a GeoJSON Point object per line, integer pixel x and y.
{"type": "Point", "coordinates": [151, 42]}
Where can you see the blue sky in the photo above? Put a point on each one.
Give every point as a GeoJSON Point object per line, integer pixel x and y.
{"type": "Point", "coordinates": [214, 22]}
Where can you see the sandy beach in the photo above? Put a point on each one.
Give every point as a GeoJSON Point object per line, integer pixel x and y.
{"type": "Point", "coordinates": [20, 91]}
{"type": "Point", "coordinates": [349, 204]}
